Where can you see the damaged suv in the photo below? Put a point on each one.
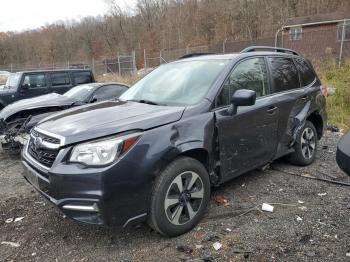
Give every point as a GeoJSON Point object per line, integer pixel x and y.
{"type": "Point", "coordinates": [199, 121]}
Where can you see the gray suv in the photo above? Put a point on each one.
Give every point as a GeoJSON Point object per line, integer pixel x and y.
{"type": "Point", "coordinates": [154, 154]}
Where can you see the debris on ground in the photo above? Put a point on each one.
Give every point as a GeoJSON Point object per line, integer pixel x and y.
{"type": "Point", "coordinates": [220, 200]}
{"type": "Point", "coordinates": [299, 218]}
{"type": "Point", "coordinates": [267, 207]}
{"type": "Point", "coordinates": [332, 128]}
{"type": "Point", "coordinates": [11, 244]}
{"type": "Point", "coordinates": [18, 219]}
{"type": "Point", "coordinates": [217, 246]}
{"type": "Point", "coordinates": [322, 194]}
{"type": "Point", "coordinates": [184, 249]}
{"type": "Point", "coordinates": [9, 220]}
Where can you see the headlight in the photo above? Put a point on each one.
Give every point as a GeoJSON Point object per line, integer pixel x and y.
{"type": "Point", "coordinates": [103, 152]}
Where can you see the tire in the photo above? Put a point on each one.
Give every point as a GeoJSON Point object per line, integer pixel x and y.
{"type": "Point", "coordinates": [170, 207]}
{"type": "Point", "coordinates": [305, 146]}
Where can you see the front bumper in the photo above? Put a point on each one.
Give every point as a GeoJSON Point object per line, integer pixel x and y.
{"type": "Point", "coordinates": [90, 195]}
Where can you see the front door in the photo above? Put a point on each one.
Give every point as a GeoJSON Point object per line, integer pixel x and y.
{"type": "Point", "coordinates": [33, 85]}
{"type": "Point", "coordinates": [60, 82]}
{"type": "Point", "coordinates": [247, 139]}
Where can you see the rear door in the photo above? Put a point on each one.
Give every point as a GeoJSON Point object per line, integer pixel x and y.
{"type": "Point", "coordinates": [60, 82]}
{"type": "Point", "coordinates": [289, 96]}
{"type": "Point", "coordinates": [82, 77]}
{"type": "Point", "coordinates": [33, 84]}
{"type": "Point", "coordinates": [248, 139]}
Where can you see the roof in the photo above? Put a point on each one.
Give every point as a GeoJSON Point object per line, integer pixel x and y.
{"type": "Point", "coordinates": [231, 56]}
{"type": "Point", "coordinates": [317, 19]}
{"type": "Point", "coordinates": [55, 70]}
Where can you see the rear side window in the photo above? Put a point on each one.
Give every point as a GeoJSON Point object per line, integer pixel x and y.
{"type": "Point", "coordinates": [109, 92]}
{"type": "Point", "coordinates": [250, 74]}
{"type": "Point", "coordinates": [284, 74]}
{"type": "Point", "coordinates": [82, 77]}
{"type": "Point", "coordinates": [60, 79]}
{"type": "Point", "coordinates": [34, 81]}
{"type": "Point", "coordinates": [307, 75]}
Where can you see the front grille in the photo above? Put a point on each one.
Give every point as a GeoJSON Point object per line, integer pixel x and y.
{"type": "Point", "coordinates": [45, 138]}
{"type": "Point", "coordinates": [43, 155]}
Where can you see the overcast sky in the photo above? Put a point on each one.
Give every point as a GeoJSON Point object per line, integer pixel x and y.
{"type": "Point", "coordinates": [18, 15]}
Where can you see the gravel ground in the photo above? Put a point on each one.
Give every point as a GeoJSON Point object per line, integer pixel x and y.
{"type": "Point", "coordinates": [310, 223]}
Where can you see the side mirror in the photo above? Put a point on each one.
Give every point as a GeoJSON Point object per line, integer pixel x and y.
{"type": "Point", "coordinates": [242, 97]}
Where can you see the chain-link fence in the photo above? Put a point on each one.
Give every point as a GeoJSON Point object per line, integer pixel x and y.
{"type": "Point", "coordinates": [321, 44]}
{"type": "Point", "coordinates": [121, 65]}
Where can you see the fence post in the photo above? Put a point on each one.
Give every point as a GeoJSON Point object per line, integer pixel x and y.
{"type": "Point", "coordinates": [11, 68]}
{"type": "Point", "coordinates": [134, 62]}
{"type": "Point", "coordinates": [224, 46]}
{"type": "Point", "coordinates": [160, 57]}
{"type": "Point", "coordinates": [144, 59]}
{"type": "Point", "coordinates": [341, 44]}
{"type": "Point", "coordinates": [120, 73]}
{"type": "Point", "coordinates": [93, 66]}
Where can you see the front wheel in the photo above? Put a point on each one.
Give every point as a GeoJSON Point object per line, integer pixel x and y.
{"type": "Point", "coordinates": [305, 146]}
{"type": "Point", "coordinates": [180, 196]}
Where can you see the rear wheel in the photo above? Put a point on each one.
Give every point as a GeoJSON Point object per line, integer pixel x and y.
{"type": "Point", "coordinates": [180, 196]}
{"type": "Point", "coordinates": [305, 146]}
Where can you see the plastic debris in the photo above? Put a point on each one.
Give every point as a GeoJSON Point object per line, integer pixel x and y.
{"type": "Point", "coordinates": [184, 249]}
{"type": "Point", "coordinates": [267, 207]}
{"type": "Point", "coordinates": [227, 230]}
{"type": "Point", "coordinates": [299, 218]}
{"type": "Point", "coordinates": [303, 208]}
{"type": "Point", "coordinates": [348, 254]}
{"type": "Point", "coordinates": [322, 194]}
{"type": "Point", "coordinates": [11, 244]}
{"type": "Point", "coordinates": [8, 221]}
{"type": "Point", "coordinates": [199, 246]}
{"type": "Point", "coordinates": [220, 200]}
{"type": "Point", "coordinates": [217, 246]}
{"type": "Point", "coordinates": [300, 202]}
{"type": "Point", "coordinates": [18, 219]}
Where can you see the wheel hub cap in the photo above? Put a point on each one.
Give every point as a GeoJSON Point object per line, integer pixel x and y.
{"type": "Point", "coordinates": [184, 198]}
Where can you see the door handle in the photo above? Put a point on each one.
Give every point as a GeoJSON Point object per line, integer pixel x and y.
{"type": "Point", "coordinates": [271, 110]}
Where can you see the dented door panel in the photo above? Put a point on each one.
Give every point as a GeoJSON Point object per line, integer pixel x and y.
{"type": "Point", "coordinates": [247, 139]}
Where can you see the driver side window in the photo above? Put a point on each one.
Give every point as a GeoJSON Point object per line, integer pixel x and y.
{"type": "Point", "coordinates": [250, 74]}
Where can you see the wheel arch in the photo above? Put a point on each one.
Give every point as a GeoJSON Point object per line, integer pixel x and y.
{"type": "Point", "coordinates": [316, 119]}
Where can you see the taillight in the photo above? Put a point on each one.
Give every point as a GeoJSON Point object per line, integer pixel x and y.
{"type": "Point", "coordinates": [324, 90]}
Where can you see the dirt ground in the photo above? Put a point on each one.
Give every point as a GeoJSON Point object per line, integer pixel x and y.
{"type": "Point", "coordinates": [312, 225]}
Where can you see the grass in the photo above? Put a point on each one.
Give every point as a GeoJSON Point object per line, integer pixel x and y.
{"type": "Point", "coordinates": [338, 104]}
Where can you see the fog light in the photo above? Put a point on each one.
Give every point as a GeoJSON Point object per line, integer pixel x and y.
{"type": "Point", "coordinates": [93, 208]}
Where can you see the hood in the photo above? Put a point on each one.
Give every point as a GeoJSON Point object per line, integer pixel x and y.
{"type": "Point", "coordinates": [50, 100]}
{"type": "Point", "coordinates": [107, 118]}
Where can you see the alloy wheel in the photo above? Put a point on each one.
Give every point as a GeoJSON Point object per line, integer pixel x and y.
{"type": "Point", "coordinates": [184, 198]}
{"type": "Point", "coordinates": [308, 143]}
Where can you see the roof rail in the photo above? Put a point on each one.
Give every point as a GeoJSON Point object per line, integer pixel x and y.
{"type": "Point", "coordinates": [276, 49]}
{"type": "Point", "coordinates": [194, 55]}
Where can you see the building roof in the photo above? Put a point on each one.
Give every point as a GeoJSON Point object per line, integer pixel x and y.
{"type": "Point", "coordinates": [317, 19]}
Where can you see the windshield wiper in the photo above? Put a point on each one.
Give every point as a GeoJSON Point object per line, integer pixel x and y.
{"type": "Point", "coordinates": [149, 102]}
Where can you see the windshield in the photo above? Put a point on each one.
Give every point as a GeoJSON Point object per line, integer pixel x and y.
{"type": "Point", "coordinates": [181, 83]}
{"type": "Point", "coordinates": [81, 92]}
{"type": "Point", "coordinates": [13, 80]}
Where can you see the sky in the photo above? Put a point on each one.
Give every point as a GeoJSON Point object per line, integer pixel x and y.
{"type": "Point", "coordinates": [19, 15]}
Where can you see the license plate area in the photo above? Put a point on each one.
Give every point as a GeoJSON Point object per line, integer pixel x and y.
{"type": "Point", "coordinates": [32, 177]}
